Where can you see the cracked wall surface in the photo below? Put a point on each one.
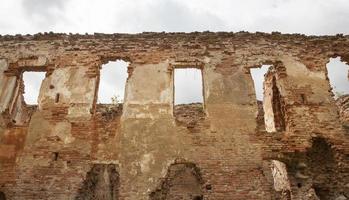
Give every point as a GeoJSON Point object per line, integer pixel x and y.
{"type": "Point", "coordinates": [70, 147]}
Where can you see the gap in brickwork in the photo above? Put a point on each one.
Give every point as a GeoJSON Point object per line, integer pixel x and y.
{"type": "Point", "coordinates": [182, 181]}
{"type": "Point", "coordinates": [55, 156]}
{"type": "Point", "coordinates": [2, 196]}
{"type": "Point", "coordinates": [338, 75]}
{"type": "Point", "coordinates": [32, 83]}
{"type": "Point", "coordinates": [188, 100]}
{"type": "Point", "coordinates": [113, 76]}
{"type": "Point", "coordinates": [258, 80]}
{"type": "Point", "coordinates": [321, 161]}
{"type": "Point", "coordinates": [101, 182]}
{"type": "Point", "coordinates": [258, 77]}
{"type": "Point", "coordinates": [188, 86]}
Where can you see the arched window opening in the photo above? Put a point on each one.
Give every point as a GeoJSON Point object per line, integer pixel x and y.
{"type": "Point", "coordinates": [338, 75]}
{"type": "Point", "coordinates": [101, 182]}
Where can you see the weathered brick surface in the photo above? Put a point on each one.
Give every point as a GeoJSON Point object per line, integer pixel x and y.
{"type": "Point", "coordinates": [52, 152]}
{"type": "Point", "coordinates": [343, 104]}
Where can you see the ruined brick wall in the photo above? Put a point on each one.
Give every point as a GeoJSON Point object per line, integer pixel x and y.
{"type": "Point", "coordinates": [343, 104]}
{"type": "Point", "coordinates": [221, 150]}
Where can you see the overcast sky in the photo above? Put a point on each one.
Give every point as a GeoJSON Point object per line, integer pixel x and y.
{"type": "Point", "coordinates": [311, 17]}
{"type": "Point", "coordinates": [287, 16]}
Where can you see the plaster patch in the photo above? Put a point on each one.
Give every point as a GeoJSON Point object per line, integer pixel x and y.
{"type": "Point", "coordinates": [146, 161]}
{"type": "Point", "coordinates": [295, 68]}
{"type": "Point", "coordinates": [63, 131]}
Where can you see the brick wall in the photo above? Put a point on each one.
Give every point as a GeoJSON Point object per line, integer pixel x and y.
{"type": "Point", "coordinates": [60, 148]}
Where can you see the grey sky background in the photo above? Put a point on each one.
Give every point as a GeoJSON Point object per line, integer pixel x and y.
{"type": "Point", "coordinates": [339, 77]}
{"type": "Point", "coordinates": [188, 86]}
{"type": "Point", "coordinates": [258, 78]}
{"type": "Point", "coordinates": [112, 81]}
{"type": "Point", "coordinates": [311, 17]}
{"type": "Point", "coordinates": [32, 81]}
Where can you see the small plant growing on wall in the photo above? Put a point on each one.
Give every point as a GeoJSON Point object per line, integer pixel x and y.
{"type": "Point", "coordinates": [115, 100]}
{"type": "Point", "coordinates": [109, 111]}
{"type": "Point", "coordinates": [115, 103]}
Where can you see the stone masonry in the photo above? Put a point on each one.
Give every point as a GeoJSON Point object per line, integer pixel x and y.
{"type": "Point", "coordinates": [293, 145]}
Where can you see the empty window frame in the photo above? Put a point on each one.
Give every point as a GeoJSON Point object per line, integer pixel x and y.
{"type": "Point", "coordinates": [338, 75]}
{"type": "Point", "coordinates": [113, 76]}
{"type": "Point", "coordinates": [257, 75]}
{"type": "Point", "coordinates": [32, 83]}
{"type": "Point", "coordinates": [188, 86]}
{"type": "Point", "coordinates": [269, 99]}
{"type": "Point", "coordinates": [258, 80]}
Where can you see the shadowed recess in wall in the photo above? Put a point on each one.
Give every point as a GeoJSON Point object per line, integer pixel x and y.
{"type": "Point", "coordinates": [2, 196]}
{"type": "Point", "coordinates": [322, 163]}
{"type": "Point", "coordinates": [277, 107]}
{"type": "Point", "coordinates": [101, 182]}
{"type": "Point", "coordinates": [183, 181]}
